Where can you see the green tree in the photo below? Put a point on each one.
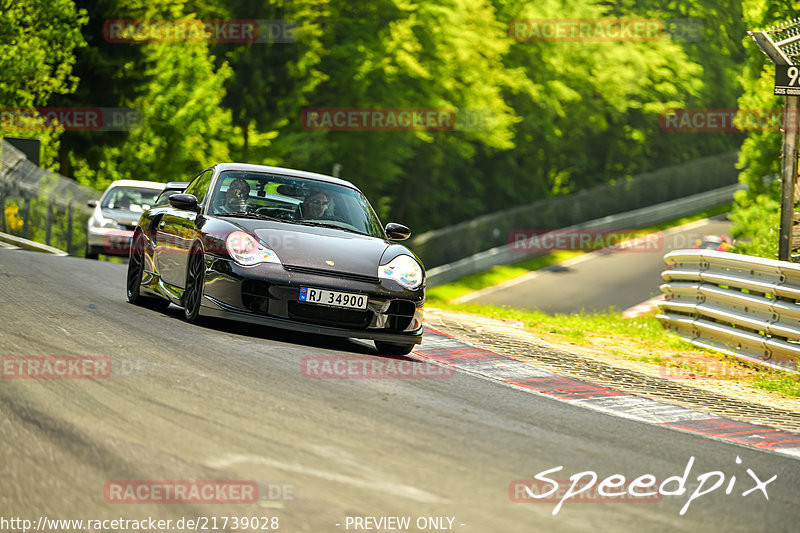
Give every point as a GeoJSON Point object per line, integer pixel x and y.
{"type": "Point", "coordinates": [592, 111]}
{"type": "Point", "coordinates": [38, 39]}
{"type": "Point", "coordinates": [271, 78]}
{"type": "Point", "coordinates": [398, 54]}
{"type": "Point", "coordinates": [176, 86]}
{"type": "Point", "coordinates": [184, 126]}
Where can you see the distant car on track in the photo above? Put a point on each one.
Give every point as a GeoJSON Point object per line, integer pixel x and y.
{"type": "Point", "coordinates": [110, 228]}
{"type": "Point", "coordinates": [172, 187]}
{"type": "Point", "coordinates": [721, 243]}
{"type": "Point", "coordinates": [282, 248]}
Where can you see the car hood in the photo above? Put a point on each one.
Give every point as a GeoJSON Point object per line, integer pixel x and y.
{"type": "Point", "coordinates": [122, 216]}
{"type": "Point", "coordinates": [317, 248]}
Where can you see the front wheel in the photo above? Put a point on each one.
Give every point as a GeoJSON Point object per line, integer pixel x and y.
{"type": "Point", "coordinates": [135, 274]}
{"type": "Point", "coordinates": [193, 292]}
{"type": "Point", "coordinates": [388, 348]}
{"type": "Point", "coordinates": [91, 252]}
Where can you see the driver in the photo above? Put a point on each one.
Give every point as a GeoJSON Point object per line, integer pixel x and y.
{"type": "Point", "coordinates": [123, 202]}
{"type": "Point", "coordinates": [237, 195]}
{"type": "Point", "coordinates": [315, 205]}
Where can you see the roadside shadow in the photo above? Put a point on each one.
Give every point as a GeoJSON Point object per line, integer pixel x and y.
{"type": "Point", "coordinates": [557, 269]}
{"type": "Point", "coordinates": [312, 340]}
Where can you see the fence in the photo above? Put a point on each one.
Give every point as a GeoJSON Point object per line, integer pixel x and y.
{"type": "Point", "coordinates": [505, 255]}
{"type": "Point", "coordinates": [40, 205]}
{"type": "Point", "coordinates": [447, 245]}
{"type": "Point", "coordinates": [740, 305]}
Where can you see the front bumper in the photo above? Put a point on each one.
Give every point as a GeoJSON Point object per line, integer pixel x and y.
{"type": "Point", "coordinates": [267, 294]}
{"type": "Point", "coordinates": [109, 241]}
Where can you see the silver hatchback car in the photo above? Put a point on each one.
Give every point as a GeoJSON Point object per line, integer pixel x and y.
{"type": "Point", "coordinates": [115, 215]}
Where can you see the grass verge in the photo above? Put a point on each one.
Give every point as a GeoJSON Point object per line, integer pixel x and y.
{"type": "Point", "coordinates": [640, 343]}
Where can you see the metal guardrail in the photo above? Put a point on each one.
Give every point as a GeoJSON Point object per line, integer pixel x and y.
{"type": "Point", "coordinates": [472, 237]}
{"type": "Point", "coordinates": [19, 242]}
{"type": "Point", "coordinates": [740, 305]}
{"type": "Point", "coordinates": [647, 216]}
{"type": "Point", "coordinates": [42, 206]}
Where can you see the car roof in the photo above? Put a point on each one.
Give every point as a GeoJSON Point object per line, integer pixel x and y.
{"type": "Point", "coordinates": [175, 185]}
{"type": "Point", "coordinates": [137, 183]}
{"type": "Point", "coordinates": [285, 172]}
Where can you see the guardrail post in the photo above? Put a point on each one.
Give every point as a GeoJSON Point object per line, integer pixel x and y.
{"type": "Point", "coordinates": [26, 211]}
{"type": "Point", "coordinates": [3, 207]}
{"type": "Point", "coordinates": [49, 221]}
{"type": "Point", "coordinates": [69, 228]}
{"type": "Point", "coordinates": [789, 176]}
{"type": "Point", "coordinates": [782, 53]}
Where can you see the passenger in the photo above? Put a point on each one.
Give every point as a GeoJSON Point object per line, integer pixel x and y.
{"type": "Point", "coordinates": [316, 205]}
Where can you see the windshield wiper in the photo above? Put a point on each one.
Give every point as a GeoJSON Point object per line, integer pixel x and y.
{"type": "Point", "coordinates": [247, 214]}
{"type": "Point", "coordinates": [327, 225]}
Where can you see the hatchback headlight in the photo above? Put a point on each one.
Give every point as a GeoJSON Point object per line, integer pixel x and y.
{"type": "Point", "coordinates": [404, 270]}
{"type": "Point", "coordinates": [99, 221]}
{"type": "Point", "coordinates": [247, 251]}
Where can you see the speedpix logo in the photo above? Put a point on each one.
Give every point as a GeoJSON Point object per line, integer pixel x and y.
{"type": "Point", "coordinates": [644, 488]}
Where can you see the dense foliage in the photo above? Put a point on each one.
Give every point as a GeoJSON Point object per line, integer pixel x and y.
{"type": "Point", "coordinates": [556, 117]}
{"type": "Point", "coordinates": [756, 213]}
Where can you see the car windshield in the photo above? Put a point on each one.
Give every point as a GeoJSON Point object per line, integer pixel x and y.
{"type": "Point", "coordinates": [293, 200]}
{"type": "Point", "coordinates": [136, 199]}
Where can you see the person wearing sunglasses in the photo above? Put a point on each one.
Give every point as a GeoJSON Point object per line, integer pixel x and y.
{"type": "Point", "coordinates": [237, 195]}
{"type": "Point", "coordinates": [315, 205]}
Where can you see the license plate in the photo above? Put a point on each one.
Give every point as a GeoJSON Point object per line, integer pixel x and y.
{"type": "Point", "coordinates": [333, 298]}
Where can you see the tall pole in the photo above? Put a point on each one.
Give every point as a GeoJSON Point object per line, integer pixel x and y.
{"type": "Point", "coordinates": [788, 176]}
{"type": "Point", "coordinates": [781, 53]}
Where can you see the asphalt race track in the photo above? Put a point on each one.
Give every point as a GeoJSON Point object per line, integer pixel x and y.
{"type": "Point", "coordinates": [598, 281]}
{"type": "Point", "coordinates": [230, 402]}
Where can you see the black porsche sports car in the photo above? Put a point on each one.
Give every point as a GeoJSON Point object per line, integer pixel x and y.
{"type": "Point", "coordinates": [282, 248]}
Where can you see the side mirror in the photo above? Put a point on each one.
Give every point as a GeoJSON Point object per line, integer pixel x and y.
{"type": "Point", "coordinates": [187, 202]}
{"type": "Point", "coordinates": [92, 203]}
{"type": "Point", "coordinates": [397, 232]}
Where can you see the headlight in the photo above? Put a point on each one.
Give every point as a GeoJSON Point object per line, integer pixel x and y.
{"type": "Point", "coordinates": [404, 270]}
{"type": "Point", "coordinates": [247, 251]}
{"type": "Point", "coordinates": [98, 221]}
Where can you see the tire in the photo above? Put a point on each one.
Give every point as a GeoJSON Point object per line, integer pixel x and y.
{"type": "Point", "coordinates": [134, 279]}
{"type": "Point", "coordinates": [388, 348]}
{"type": "Point", "coordinates": [193, 291]}
{"type": "Point", "coordinates": [90, 252]}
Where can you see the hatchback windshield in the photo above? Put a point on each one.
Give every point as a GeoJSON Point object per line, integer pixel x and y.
{"type": "Point", "coordinates": [294, 200]}
{"type": "Point", "coordinates": [136, 199]}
